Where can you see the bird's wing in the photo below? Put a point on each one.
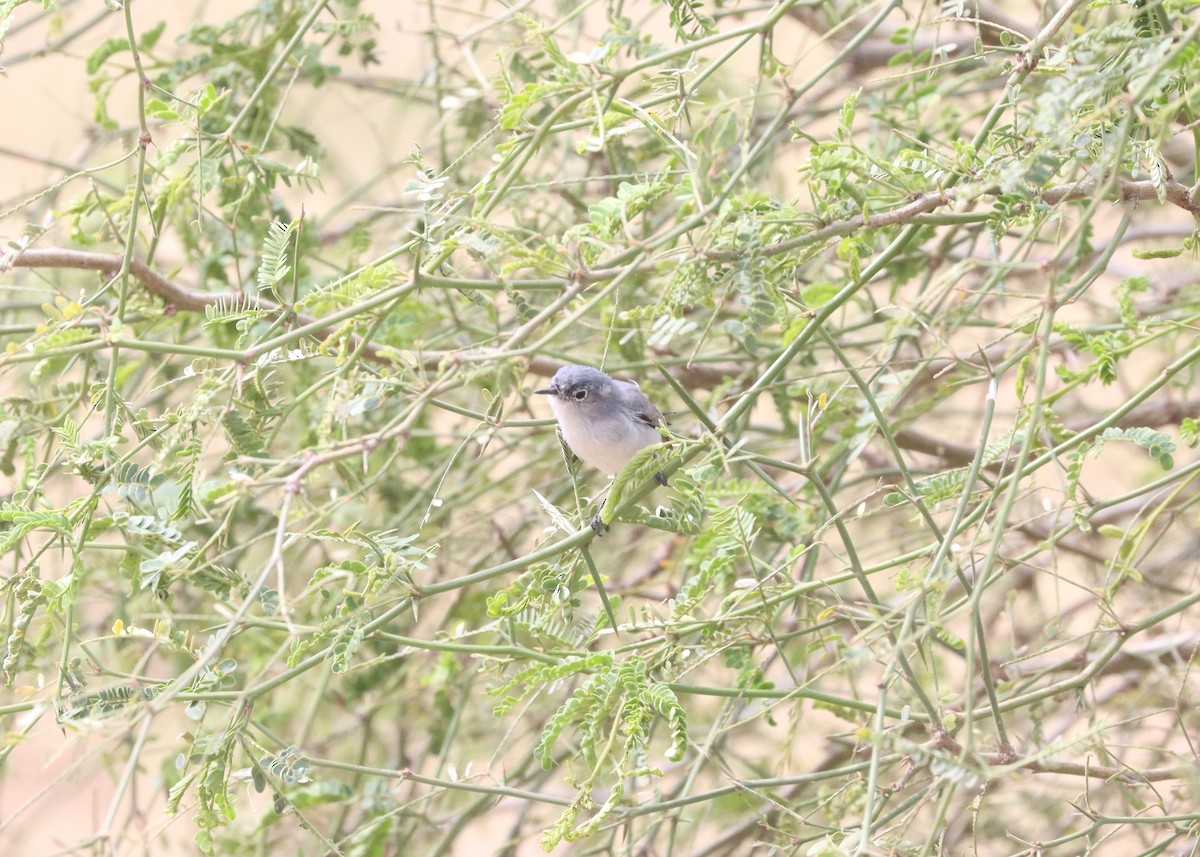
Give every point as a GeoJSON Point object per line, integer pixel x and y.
{"type": "Point", "coordinates": [643, 409]}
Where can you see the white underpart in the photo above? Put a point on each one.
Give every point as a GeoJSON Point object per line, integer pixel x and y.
{"type": "Point", "coordinates": [607, 443]}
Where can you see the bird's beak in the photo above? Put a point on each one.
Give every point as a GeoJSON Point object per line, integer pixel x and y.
{"type": "Point", "coordinates": [549, 391]}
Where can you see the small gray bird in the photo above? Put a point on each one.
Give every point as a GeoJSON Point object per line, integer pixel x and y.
{"type": "Point", "coordinates": [604, 421]}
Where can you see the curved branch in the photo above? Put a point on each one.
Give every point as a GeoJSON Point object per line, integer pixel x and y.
{"type": "Point", "coordinates": [692, 376]}
{"type": "Point", "coordinates": [174, 294]}
{"type": "Point", "coordinates": [180, 297]}
{"type": "Point", "coordinates": [1130, 191]}
{"type": "Point", "coordinates": [991, 25]}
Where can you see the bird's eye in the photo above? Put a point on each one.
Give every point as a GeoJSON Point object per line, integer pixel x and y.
{"type": "Point", "coordinates": [580, 395]}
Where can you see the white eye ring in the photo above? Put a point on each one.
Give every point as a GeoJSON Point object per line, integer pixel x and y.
{"type": "Point", "coordinates": [580, 395]}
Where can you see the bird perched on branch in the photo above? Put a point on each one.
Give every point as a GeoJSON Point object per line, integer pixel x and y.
{"type": "Point", "coordinates": [604, 421]}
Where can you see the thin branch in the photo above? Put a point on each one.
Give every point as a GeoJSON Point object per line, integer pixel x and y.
{"type": "Point", "coordinates": [1128, 190]}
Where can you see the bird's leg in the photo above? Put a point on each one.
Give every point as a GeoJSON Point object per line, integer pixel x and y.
{"type": "Point", "coordinates": [598, 526]}
{"type": "Point", "coordinates": [660, 478]}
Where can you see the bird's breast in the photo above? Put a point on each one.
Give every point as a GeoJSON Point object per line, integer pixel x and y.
{"type": "Point", "coordinates": [606, 443]}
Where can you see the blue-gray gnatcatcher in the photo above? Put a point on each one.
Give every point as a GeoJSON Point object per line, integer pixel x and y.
{"type": "Point", "coordinates": [606, 422]}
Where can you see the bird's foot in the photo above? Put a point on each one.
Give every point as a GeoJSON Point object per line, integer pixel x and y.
{"type": "Point", "coordinates": [599, 527]}
{"type": "Point", "coordinates": [660, 478]}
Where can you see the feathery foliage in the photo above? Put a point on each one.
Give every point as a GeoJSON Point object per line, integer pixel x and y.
{"type": "Point", "coordinates": [913, 283]}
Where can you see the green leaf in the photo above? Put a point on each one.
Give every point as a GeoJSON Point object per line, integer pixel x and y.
{"type": "Point", "coordinates": [161, 110]}
{"type": "Point", "coordinates": [1163, 253]}
{"type": "Point", "coordinates": [273, 269]}
{"type": "Point", "coordinates": [1189, 432]}
{"type": "Point", "coordinates": [148, 39]}
{"type": "Point", "coordinates": [320, 792]}
{"type": "Point", "coordinates": [818, 294]}
{"type": "Point", "coordinates": [106, 49]}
